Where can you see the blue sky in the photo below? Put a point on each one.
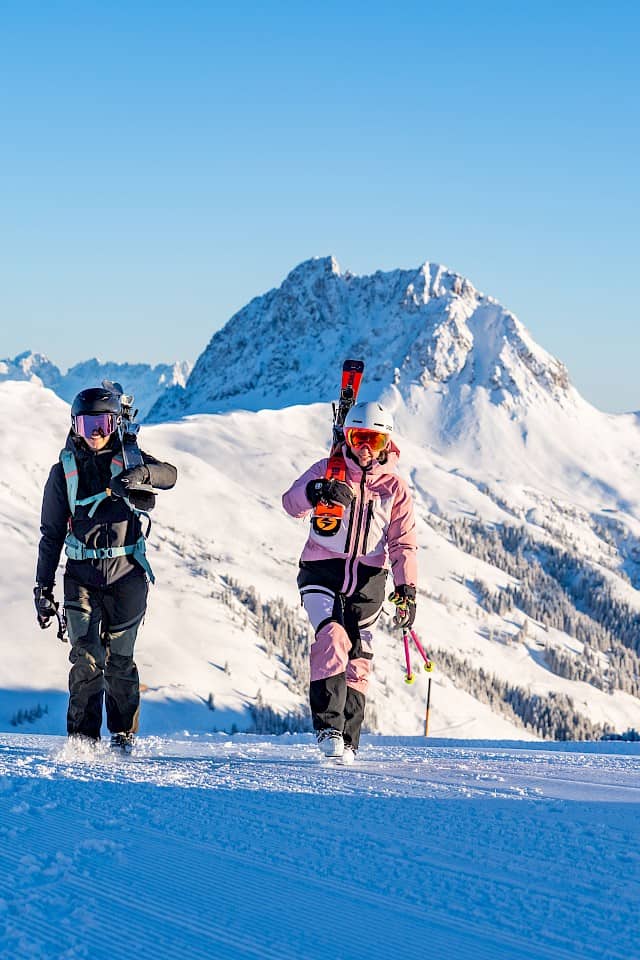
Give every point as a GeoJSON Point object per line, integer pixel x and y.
{"type": "Point", "coordinates": [162, 163]}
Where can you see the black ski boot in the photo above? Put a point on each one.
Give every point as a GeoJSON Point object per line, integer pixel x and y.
{"type": "Point", "coordinates": [82, 742]}
{"type": "Point", "coordinates": [122, 742]}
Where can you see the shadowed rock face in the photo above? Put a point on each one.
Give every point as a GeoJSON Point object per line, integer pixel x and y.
{"type": "Point", "coordinates": [421, 327]}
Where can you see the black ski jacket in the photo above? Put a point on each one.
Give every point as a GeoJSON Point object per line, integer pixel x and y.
{"type": "Point", "coordinates": [112, 525]}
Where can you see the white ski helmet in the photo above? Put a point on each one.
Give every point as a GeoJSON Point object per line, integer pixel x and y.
{"type": "Point", "coordinates": [369, 416]}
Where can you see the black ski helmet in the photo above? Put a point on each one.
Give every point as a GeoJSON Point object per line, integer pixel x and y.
{"type": "Point", "coordinates": [95, 400]}
{"type": "Point", "coordinates": [96, 409]}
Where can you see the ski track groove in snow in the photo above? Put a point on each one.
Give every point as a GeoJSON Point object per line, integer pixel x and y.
{"type": "Point", "coordinates": [154, 837]}
{"type": "Point", "coordinates": [227, 850]}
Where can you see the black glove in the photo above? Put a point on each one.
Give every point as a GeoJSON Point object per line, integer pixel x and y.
{"type": "Point", "coordinates": [125, 483]}
{"type": "Point", "coordinates": [404, 597]}
{"type": "Point", "coordinates": [330, 491]}
{"type": "Point", "coordinates": [142, 500]}
{"type": "Point", "coordinates": [46, 606]}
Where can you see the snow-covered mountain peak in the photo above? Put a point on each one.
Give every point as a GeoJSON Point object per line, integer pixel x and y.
{"type": "Point", "coordinates": [28, 365]}
{"type": "Point", "coordinates": [432, 280]}
{"type": "Point", "coordinates": [425, 328]}
{"type": "Point", "coordinates": [313, 269]}
{"type": "Point", "coordinates": [141, 379]}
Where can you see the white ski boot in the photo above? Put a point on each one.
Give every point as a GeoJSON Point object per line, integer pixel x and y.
{"type": "Point", "coordinates": [331, 743]}
{"type": "Point", "coordinates": [348, 756]}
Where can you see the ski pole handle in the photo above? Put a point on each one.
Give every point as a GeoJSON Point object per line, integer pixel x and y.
{"type": "Point", "coordinates": [62, 625]}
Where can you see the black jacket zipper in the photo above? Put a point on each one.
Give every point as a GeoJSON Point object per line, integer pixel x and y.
{"type": "Point", "coordinates": [352, 558]}
{"type": "Point", "coordinates": [349, 529]}
{"type": "Point", "coordinates": [366, 527]}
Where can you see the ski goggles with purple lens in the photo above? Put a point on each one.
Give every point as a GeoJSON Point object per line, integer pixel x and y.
{"type": "Point", "coordinates": [86, 424]}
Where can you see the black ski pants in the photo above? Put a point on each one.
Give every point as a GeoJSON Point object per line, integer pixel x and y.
{"type": "Point", "coordinates": [103, 624]}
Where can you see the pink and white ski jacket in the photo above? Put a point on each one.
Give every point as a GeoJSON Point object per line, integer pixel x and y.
{"type": "Point", "coordinates": [378, 527]}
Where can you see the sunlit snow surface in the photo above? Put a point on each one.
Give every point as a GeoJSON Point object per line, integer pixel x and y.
{"type": "Point", "coordinates": [215, 846]}
{"type": "Point", "coordinates": [224, 519]}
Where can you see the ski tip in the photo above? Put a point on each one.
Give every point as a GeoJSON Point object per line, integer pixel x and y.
{"type": "Point", "coordinates": [353, 366]}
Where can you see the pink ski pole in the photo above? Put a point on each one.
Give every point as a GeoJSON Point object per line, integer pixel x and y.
{"type": "Point", "coordinates": [407, 656]}
{"type": "Point", "coordinates": [428, 666]}
{"type": "Point", "coordinates": [428, 663]}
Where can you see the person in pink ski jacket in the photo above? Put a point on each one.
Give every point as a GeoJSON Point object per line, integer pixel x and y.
{"type": "Point", "coordinates": [342, 578]}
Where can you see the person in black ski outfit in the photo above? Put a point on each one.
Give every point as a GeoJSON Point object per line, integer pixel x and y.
{"type": "Point", "coordinates": [91, 506]}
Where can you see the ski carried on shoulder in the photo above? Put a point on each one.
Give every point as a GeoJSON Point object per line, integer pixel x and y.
{"type": "Point", "coordinates": [327, 517]}
{"type": "Point", "coordinates": [128, 433]}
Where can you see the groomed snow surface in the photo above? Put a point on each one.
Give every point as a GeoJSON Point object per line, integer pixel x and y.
{"type": "Point", "coordinates": [231, 847]}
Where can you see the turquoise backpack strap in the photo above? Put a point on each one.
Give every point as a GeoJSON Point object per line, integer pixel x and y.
{"type": "Point", "coordinates": [70, 468]}
{"type": "Point", "coordinates": [117, 464]}
{"type": "Point", "coordinates": [140, 556]}
{"type": "Point", "coordinates": [74, 548]}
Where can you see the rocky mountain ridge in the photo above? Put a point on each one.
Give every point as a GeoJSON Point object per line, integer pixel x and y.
{"type": "Point", "coordinates": [427, 327]}
{"type": "Point", "coordinates": [145, 381]}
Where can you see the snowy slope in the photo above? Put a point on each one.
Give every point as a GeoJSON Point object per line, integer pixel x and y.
{"type": "Point", "coordinates": [224, 520]}
{"type": "Point", "coordinates": [149, 381]}
{"type": "Point", "coordinates": [250, 847]}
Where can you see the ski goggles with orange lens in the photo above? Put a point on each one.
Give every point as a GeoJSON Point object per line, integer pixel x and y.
{"type": "Point", "coordinates": [86, 424]}
{"type": "Point", "coordinates": [358, 437]}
